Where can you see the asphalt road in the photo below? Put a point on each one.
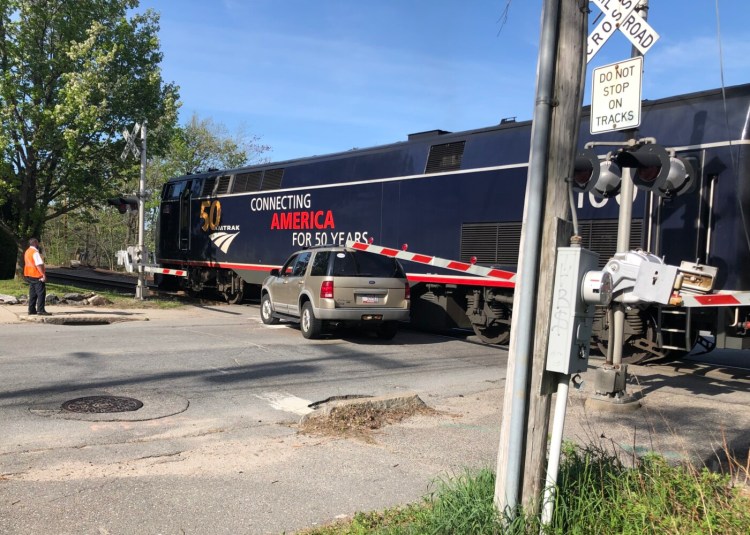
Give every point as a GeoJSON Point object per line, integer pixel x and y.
{"type": "Point", "coordinates": [216, 447]}
{"type": "Point", "coordinates": [219, 451]}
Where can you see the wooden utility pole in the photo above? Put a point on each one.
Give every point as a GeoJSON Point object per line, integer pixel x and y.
{"type": "Point", "coordinates": [570, 72]}
{"type": "Point", "coordinates": [560, 82]}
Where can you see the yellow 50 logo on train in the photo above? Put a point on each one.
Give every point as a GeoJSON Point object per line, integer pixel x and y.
{"type": "Point", "coordinates": [210, 214]}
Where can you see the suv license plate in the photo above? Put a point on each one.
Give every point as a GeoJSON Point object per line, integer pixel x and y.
{"type": "Point", "coordinates": [369, 299]}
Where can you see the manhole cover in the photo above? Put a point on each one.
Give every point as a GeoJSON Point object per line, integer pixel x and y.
{"type": "Point", "coordinates": [102, 404]}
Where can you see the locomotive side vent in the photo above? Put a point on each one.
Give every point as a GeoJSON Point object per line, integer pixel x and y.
{"type": "Point", "coordinates": [272, 179]}
{"type": "Point", "coordinates": [208, 186]}
{"type": "Point", "coordinates": [223, 186]}
{"type": "Point", "coordinates": [491, 243]}
{"type": "Point", "coordinates": [445, 157]}
{"type": "Point", "coordinates": [247, 182]}
{"type": "Point", "coordinates": [499, 243]}
{"type": "Point", "coordinates": [600, 236]}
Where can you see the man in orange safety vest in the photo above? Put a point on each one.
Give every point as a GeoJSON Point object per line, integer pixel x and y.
{"type": "Point", "coordinates": [35, 275]}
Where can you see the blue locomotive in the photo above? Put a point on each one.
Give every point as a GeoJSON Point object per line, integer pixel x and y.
{"type": "Point", "coordinates": [460, 195]}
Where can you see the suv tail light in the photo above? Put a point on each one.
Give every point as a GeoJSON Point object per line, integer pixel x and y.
{"type": "Point", "coordinates": [326, 290]}
{"type": "Point", "coordinates": [407, 291]}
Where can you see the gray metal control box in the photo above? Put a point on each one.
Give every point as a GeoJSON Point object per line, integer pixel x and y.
{"type": "Point", "coordinates": [572, 318]}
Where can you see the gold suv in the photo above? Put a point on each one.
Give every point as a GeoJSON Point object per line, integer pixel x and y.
{"type": "Point", "coordinates": [335, 285]}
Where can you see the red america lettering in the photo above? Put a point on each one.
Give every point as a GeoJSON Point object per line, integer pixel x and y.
{"type": "Point", "coordinates": [302, 220]}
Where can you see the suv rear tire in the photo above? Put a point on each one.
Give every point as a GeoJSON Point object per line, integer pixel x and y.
{"type": "Point", "coordinates": [266, 311]}
{"type": "Point", "coordinates": [310, 326]}
{"type": "Point", "coordinates": [387, 330]}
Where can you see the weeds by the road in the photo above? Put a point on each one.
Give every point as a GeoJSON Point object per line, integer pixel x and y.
{"type": "Point", "coordinates": [597, 494]}
{"type": "Point", "coordinates": [359, 420]}
{"type": "Point", "coordinates": [19, 288]}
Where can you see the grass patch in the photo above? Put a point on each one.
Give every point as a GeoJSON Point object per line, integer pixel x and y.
{"type": "Point", "coordinates": [19, 288]}
{"type": "Point", "coordinates": [458, 505]}
{"type": "Point", "coordinates": [598, 494]}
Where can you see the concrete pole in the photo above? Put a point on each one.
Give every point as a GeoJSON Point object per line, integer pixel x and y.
{"type": "Point", "coordinates": [140, 290]}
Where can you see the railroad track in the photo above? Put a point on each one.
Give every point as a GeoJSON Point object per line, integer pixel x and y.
{"type": "Point", "coordinates": [102, 279]}
{"type": "Point", "coordinates": [95, 278]}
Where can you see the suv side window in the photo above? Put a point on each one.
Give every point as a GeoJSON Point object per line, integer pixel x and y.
{"type": "Point", "coordinates": [320, 264]}
{"type": "Point", "coordinates": [286, 269]}
{"type": "Point", "coordinates": [301, 265]}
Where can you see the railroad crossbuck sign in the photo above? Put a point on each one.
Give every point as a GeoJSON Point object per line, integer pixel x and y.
{"type": "Point", "coordinates": [618, 14]}
{"type": "Point", "coordinates": [616, 96]}
{"type": "Point", "coordinates": [130, 143]}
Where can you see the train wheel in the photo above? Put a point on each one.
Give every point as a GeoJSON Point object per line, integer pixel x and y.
{"type": "Point", "coordinates": [495, 334]}
{"type": "Point", "coordinates": [235, 296]}
{"type": "Point", "coordinates": [640, 340]}
{"type": "Point", "coordinates": [631, 354]}
{"type": "Point", "coordinates": [489, 311]}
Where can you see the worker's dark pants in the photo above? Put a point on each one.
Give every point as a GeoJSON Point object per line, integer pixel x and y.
{"type": "Point", "coordinates": [37, 295]}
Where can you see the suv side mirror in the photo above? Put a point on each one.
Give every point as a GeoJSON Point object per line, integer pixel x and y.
{"type": "Point", "coordinates": [275, 272]}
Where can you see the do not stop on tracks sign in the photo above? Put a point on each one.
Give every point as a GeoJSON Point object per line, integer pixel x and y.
{"type": "Point", "coordinates": [616, 96]}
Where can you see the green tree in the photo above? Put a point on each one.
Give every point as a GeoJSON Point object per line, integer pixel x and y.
{"type": "Point", "coordinates": [197, 146]}
{"type": "Point", "coordinates": [202, 144]}
{"type": "Point", "coordinates": [73, 76]}
{"type": "Point", "coordinates": [92, 235]}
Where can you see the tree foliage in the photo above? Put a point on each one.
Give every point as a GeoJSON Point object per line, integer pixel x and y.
{"type": "Point", "coordinates": [73, 76]}
{"type": "Point", "coordinates": [197, 146]}
{"type": "Point", "coordinates": [203, 144]}
{"type": "Point", "coordinates": [92, 236]}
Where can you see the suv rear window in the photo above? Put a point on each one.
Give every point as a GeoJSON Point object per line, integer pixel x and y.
{"type": "Point", "coordinates": [363, 264]}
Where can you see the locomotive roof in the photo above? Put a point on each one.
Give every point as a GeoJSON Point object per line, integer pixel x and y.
{"type": "Point", "coordinates": [443, 136]}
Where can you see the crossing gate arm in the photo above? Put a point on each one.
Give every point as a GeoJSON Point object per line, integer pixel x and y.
{"type": "Point", "coordinates": [444, 263]}
{"type": "Point", "coordinates": [165, 271]}
{"type": "Point", "coordinates": [715, 300]}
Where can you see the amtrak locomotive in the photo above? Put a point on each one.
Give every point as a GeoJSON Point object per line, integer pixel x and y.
{"type": "Point", "coordinates": [460, 196]}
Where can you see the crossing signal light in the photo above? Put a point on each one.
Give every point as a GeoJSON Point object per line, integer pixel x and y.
{"type": "Point", "coordinates": [590, 175]}
{"type": "Point", "coordinates": [655, 170]}
{"type": "Point", "coordinates": [123, 204]}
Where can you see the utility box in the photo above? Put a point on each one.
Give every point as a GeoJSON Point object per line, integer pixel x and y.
{"type": "Point", "coordinates": [572, 317]}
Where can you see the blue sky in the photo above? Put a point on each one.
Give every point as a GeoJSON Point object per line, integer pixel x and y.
{"type": "Point", "coordinates": [316, 77]}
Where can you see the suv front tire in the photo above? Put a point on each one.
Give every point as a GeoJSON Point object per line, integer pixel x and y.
{"type": "Point", "coordinates": [266, 311]}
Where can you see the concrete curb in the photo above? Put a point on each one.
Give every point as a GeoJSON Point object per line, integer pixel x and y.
{"type": "Point", "coordinates": [73, 315]}
{"type": "Point", "coordinates": [83, 318]}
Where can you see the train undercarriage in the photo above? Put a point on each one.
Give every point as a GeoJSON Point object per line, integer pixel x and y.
{"type": "Point", "coordinates": [654, 333]}
{"type": "Point", "coordinates": [224, 282]}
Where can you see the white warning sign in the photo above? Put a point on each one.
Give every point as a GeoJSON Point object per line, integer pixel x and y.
{"type": "Point", "coordinates": [616, 96]}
